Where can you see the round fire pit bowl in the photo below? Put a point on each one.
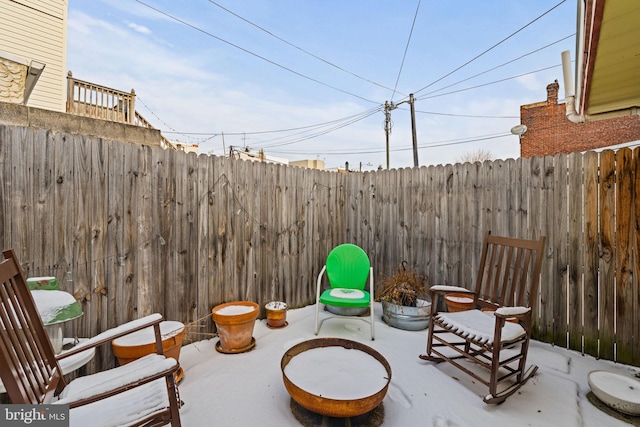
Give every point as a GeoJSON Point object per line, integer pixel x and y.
{"type": "Point", "coordinates": [335, 377]}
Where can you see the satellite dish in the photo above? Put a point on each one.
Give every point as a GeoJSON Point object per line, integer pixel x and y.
{"type": "Point", "coordinates": [518, 130]}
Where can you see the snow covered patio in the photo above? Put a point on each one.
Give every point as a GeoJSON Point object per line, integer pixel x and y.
{"type": "Point", "coordinates": [247, 389]}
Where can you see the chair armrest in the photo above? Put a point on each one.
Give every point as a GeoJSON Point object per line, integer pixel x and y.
{"type": "Point", "coordinates": [113, 333]}
{"type": "Point", "coordinates": [446, 288]}
{"type": "Point", "coordinates": [512, 311]}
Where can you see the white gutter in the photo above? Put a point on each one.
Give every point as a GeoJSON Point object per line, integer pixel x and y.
{"type": "Point", "coordinates": [569, 90]}
{"type": "Point", "coordinates": [580, 37]}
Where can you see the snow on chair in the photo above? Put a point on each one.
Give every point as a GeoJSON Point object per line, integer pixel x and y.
{"type": "Point", "coordinates": [347, 269]}
{"type": "Point", "coordinates": [505, 291]}
{"type": "Point", "coordinates": [142, 392]}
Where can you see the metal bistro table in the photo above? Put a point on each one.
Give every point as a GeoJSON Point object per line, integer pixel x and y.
{"type": "Point", "coordinates": [71, 363]}
{"type": "Point", "coordinates": [57, 307]}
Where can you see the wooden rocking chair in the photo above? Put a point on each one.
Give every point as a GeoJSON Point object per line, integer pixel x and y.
{"type": "Point", "coordinates": [505, 291]}
{"type": "Point", "coordinates": [140, 393]}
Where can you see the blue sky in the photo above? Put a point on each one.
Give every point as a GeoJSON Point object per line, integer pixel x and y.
{"type": "Point", "coordinates": [308, 79]}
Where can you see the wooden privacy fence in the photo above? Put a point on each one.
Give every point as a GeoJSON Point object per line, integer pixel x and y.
{"type": "Point", "coordinates": [132, 230]}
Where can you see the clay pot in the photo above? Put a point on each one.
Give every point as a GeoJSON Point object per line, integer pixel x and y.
{"type": "Point", "coordinates": [458, 301]}
{"type": "Point", "coordinates": [133, 346]}
{"type": "Point", "coordinates": [234, 322]}
{"type": "Point", "coordinates": [138, 344]}
{"type": "Point", "coordinates": [276, 314]}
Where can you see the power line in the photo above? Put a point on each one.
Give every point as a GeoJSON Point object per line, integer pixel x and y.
{"type": "Point", "coordinates": [323, 132]}
{"type": "Point", "coordinates": [253, 53]}
{"type": "Point", "coordinates": [504, 64]}
{"type": "Point", "coordinates": [467, 115]}
{"type": "Point", "coordinates": [490, 83]}
{"type": "Point", "coordinates": [138, 99]}
{"type": "Point", "coordinates": [299, 48]}
{"type": "Point", "coordinates": [368, 113]}
{"type": "Point", "coordinates": [213, 134]}
{"type": "Point", "coordinates": [405, 50]}
{"type": "Point", "coordinates": [346, 122]}
{"type": "Point", "coordinates": [489, 49]}
{"type": "Point", "coordinates": [434, 144]}
{"type": "Point", "coordinates": [277, 130]}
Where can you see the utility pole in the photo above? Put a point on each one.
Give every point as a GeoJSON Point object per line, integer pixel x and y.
{"type": "Point", "coordinates": [387, 125]}
{"type": "Point", "coordinates": [414, 135]}
{"type": "Point", "coordinates": [388, 107]}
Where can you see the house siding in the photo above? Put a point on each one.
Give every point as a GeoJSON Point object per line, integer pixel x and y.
{"type": "Point", "coordinates": [36, 31]}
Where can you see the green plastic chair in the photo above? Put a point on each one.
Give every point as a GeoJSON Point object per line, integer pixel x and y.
{"type": "Point", "coordinates": [347, 269]}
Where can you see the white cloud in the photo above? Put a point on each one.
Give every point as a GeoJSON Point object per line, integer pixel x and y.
{"type": "Point", "coordinates": [139, 28]}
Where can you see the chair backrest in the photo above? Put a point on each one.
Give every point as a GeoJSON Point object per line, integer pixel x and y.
{"type": "Point", "coordinates": [509, 271]}
{"type": "Point", "coordinates": [28, 367]}
{"type": "Point", "coordinates": [348, 267]}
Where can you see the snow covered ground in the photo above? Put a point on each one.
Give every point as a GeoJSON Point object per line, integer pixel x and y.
{"type": "Point", "coordinates": [247, 389]}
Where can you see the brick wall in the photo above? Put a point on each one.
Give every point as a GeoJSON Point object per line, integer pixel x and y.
{"type": "Point", "coordinates": [549, 132]}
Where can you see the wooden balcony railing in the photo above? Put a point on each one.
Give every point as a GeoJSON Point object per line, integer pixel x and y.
{"type": "Point", "coordinates": [100, 102]}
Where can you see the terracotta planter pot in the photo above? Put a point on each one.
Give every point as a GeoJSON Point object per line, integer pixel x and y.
{"type": "Point", "coordinates": [276, 314]}
{"type": "Point", "coordinates": [138, 344]}
{"type": "Point", "coordinates": [234, 322]}
{"type": "Point", "coordinates": [458, 302]}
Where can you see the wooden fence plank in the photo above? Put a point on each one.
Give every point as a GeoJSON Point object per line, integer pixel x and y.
{"type": "Point", "coordinates": [144, 275]}
{"type": "Point", "coordinates": [427, 183]}
{"type": "Point", "coordinates": [549, 269]}
{"type": "Point", "coordinates": [184, 221]}
{"type": "Point", "coordinates": [576, 256]}
{"type": "Point", "coordinates": [64, 200]}
{"type": "Point", "coordinates": [126, 298]}
{"type": "Point", "coordinates": [22, 196]}
{"type": "Point", "coordinates": [114, 235]}
{"type": "Point", "coordinates": [82, 192]}
{"type": "Point", "coordinates": [560, 259]}
{"type": "Point", "coordinates": [455, 225]}
{"type": "Point", "coordinates": [591, 249]}
{"type": "Point", "coordinates": [607, 270]}
{"type": "Point", "coordinates": [536, 210]}
{"type": "Point", "coordinates": [202, 326]}
{"type": "Point", "coordinates": [166, 212]}
{"type": "Point", "coordinates": [158, 241]}
{"type": "Point", "coordinates": [192, 258]}
{"type": "Point", "coordinates": [6, 147]}
{"type": "Point", "coordinates": [97, 311]}
{"type": "Point", "coordinates": [42, 204]}
{"type": "Point", "coordinates": [418, 219]}
{"type": "Point", "coordinates": [625, 289]}
{"type": "Point", "coordinates": [438, 252]}
{"type": "Point", "coordinates": [634, 318]}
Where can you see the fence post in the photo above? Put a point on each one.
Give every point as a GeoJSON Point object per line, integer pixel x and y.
{"type": "Point", "coordinates": [131, 113]}
{"type": "Point", "coordinates": [70, 86]}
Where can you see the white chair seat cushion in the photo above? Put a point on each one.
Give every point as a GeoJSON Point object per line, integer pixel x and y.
{"type": "Point", "coordinates": [123, 409]}
{"type": "Point", "coordinates": [478, 326]}
{"type": "Point", "coordinates": [346, 293]}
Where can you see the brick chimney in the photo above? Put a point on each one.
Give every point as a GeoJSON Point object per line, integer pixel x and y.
{"type": "Point", "coordinates": [552, 92]}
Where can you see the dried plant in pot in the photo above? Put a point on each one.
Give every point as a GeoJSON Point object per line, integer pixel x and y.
{"type": "Point", "coordinates": [405, 300]}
